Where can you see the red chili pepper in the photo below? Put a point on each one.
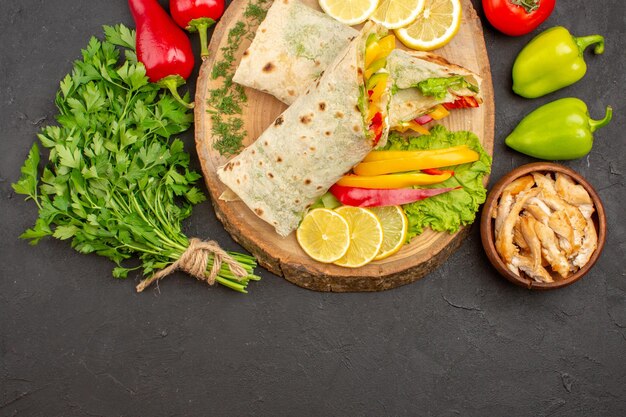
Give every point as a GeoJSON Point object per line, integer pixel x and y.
{"type": "Point", "coordinates": [197, 16]}
{"type": "Point", "coordinates": [462, 103]}
{"type": "Point", "coordinates": [162, 47]}
{"type": "Point", "coordinates": [517, 17]}
{"type": "Point", "coordinates": [377, 197]}
{"type": "Point", "coordinates": [436, 171]}
{"type": "Point", "coordinates": [376, 126]}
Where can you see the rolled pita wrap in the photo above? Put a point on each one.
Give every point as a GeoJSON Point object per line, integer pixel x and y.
{"type": "Point", "coordinates": [292, 46]}
{"type": "Point", "coordinates": [423, 80]}
{"type": "Point", "coordinates": [312, 144]}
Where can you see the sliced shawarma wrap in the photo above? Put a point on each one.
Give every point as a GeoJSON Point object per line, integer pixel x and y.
{"type": "Point", "coordinates": [292, 46]}
{"type": "Point", "coordinates": [321, 136]}
{"type": "Point", "coordinates": [423, 80]}
{"type": "Point", "coordinates": [295, 43]}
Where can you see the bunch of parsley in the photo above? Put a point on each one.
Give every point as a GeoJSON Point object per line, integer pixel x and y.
{"type": "Point", "coordinates": [115, 184]}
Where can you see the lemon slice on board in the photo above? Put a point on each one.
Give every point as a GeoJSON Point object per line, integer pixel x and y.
{"type": "Point", "coordinates": [366, 236]}
{"type": "Point", "coordinates": [394, 14]}
{"type": "Point", "coordinates": [349, 12]}
{"type": "Point", "coordinates": [324, 235]}
{"type": "Point", "coordinates": [395, 228]}
{"type": "Point", "coordinates": [435, 26]}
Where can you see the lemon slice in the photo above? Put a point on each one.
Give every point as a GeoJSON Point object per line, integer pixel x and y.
{"type": "Point", "coordinates": [395, 228]}
{"type": "Point", "coordinates": [366, 236]}
{"type": "Point", "coordinates": [349, 12]}
{"type": "Point", "coordinates": [434, 27]}
{"type": "Point", "coordinates": [394, 14]}
{"type": "Point", "coordinates": [324, 235]}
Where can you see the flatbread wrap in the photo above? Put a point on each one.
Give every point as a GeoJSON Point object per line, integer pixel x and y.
{"type": "Point", "coordinates": [292, 46]}
{"type": "Point", "coordinates": [295, 43]}
{"type": "Point", "coordinates": [423, 80]}
{"type": "Point", "coordinates": [321, 136]}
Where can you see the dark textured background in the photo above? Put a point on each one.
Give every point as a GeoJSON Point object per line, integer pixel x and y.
{"type": "Point", "coordinates": [460, 342]}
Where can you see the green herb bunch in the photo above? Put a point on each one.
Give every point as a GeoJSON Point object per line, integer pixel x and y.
{"type": "Point", "coordinates": [115, 183]}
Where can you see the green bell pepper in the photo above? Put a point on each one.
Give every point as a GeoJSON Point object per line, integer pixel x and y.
{"type": "Point", "coordinates": [558, 130]}
{"type": "Point", "coordinates": [552, 60]}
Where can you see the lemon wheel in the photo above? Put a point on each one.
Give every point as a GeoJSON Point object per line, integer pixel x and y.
{"type": "Point", "coordinates": [435, 26]}
{"type": "Point", "coordinates": [366, 236]}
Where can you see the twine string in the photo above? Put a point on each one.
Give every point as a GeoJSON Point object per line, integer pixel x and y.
{"type": "Point", "coordinates": [195, 260]}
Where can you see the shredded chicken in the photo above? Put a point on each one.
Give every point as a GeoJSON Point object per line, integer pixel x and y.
{"type": "Point", "coordinates": [504, 240]}
{"type": "Point", "coordinates": [508, 196]}
{"type": "Point", "coordinates": [560, 223]}
{"type": "Point", "coordinates": [551, 251]}
{"type": "Point", "coordinates": [543, 223]}
{"type": "Point", "coordinates": [574, 194]}
{"type": "Point", "coordinates": [590, 243]}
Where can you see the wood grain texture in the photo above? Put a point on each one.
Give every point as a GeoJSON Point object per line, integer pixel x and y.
{"type": "Point", "coordinates": [283, 256]}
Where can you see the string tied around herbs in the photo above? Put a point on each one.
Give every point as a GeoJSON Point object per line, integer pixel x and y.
{"type": "Point", "coordinates": [195, 260]}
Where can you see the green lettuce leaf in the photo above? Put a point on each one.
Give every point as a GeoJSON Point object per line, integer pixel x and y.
{"type": "Point", "coordinates": [439, 87]}
{"type": "Point", "coordinates": [449, 211]}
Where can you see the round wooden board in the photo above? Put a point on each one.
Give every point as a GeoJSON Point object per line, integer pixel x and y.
{"type": "Point", "coordinates": [283, 256]}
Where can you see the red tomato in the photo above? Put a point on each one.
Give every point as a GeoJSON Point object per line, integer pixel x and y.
{"type": "Point", "coordinates": [517, 17]}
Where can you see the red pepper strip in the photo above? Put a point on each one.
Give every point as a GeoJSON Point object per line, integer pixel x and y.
{"type": "Point", "coordinates": [436, 171]}
{"type": "Point", "coordinates": [377, 197]}
{"type": "Point", "coordinates": [162, 47]}
{"type": "Point", "coordinates": [462, 103]}
{"type": "Point", "coordinates": [370, 92]}
{"type": "Point", "coordinates": [376, 126]}
{"type": "Point", "coordinates": [197, 16]}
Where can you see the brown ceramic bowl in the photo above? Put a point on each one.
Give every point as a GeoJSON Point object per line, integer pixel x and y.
{"type": "Point", "coordinates": [487, 226]}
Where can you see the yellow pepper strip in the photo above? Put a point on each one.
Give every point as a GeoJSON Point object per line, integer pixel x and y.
{"type": "Point", "coordinates": [379, 49]}
{"type": "Point", "coordinates": [439, 113]}
{"type": "Point", "coordinates": [392, 181]}
{"type": "Point", "coordinates": [440, 160]}
{"type": "Point", "coordinates": [379, 88]}
{"type": "Point", "coordinates": [383, 155]}
{"type": "Point", "coordinates": [376, 65]}
{"type": "Point", "coordinates": [371, 111]}
{"type": "Point", "coordinates": [414, 126]}
{"type": "Point", "coordinates": [371, 53]}
{"type": "Point", "coordinates": [387, 44]}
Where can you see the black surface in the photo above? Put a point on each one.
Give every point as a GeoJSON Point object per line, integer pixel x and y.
{"type": "Point", "coordinates": [460, 342]}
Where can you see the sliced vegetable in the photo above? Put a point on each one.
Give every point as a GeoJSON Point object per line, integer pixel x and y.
{"type": "Point", "coordinates": [437, 171]}
{"type": "Point", "coordinates": [422, 120]}
{"type": "Point", "coordinates": [442, 86]}
{"type": "Point", "coordinates": [439, 112]}
{"type": "Point", "coordinates": [394, 180]}
{"type": "Point", "coordinates": [375, 197]}
{"type": "Point", "coordinates": [162, 47]}
{"type": "Point", "coordinates": [375, 66]}
{"type": "Point", "coordinates": [197, 16]}
{"type": "Point", "coordinates": [385, 155]}
{"type": "Point", "coordinates": [412, 125]}
{"type": "Point", "coordinates": [426, 160]}
{"type": "Point", "coordinates": [376, 86]}
{"type": "Point", "coordinates": [376, 127]}
{"type": "Point", "coordinates": [446, 212]}
{"type": "Point", "coordinates": [462, 103]}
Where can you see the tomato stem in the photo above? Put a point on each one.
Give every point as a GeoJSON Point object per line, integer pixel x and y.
{"type": "Point", "coordinates": [528, 5]}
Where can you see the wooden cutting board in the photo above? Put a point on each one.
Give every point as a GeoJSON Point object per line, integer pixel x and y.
{"type": "Point", "coordinates": [283, 256]}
